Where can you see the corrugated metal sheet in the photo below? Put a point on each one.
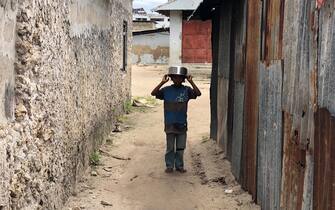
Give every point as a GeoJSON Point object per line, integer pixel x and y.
{"type": "Point", "coordinates": [251, 96]}
{"type": "Point", "coordinates": [324, 153]}
{"type": "Point", "coordinates": [293, 168]}
{"type": "Point", "coordinates": [327, 56]}
{"type": "Point", "coordinates": [214, 75]}
{"type": "Point", "coordinates": [239, 21]}
{"type": "Point", "coordinates": [299, 90]}
{"type": "Point", "coordinates": [237, 140]}
{"type": "Point", "coordinates": [273, 29]}
{"type": "Point", "coordinates": [269, 136]}
{"type": "Point", "coordinates": [223, 75]}
{"type": "Point", "coordinates": [300, 36]}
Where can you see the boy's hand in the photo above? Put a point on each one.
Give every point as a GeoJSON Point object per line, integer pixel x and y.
{"type": "Point", "coordinates": [165, 78]}
{"type": "Point", "coordinates": [189, 78]}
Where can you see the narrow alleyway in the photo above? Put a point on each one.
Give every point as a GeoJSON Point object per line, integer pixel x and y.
{"type": "Point", "coordinates": [131, 171]}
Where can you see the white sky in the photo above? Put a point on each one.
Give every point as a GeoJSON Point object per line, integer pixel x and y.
{"type": "Point", "coordinates": [148, 5]}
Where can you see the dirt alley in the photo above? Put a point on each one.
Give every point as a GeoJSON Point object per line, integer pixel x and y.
{"type": "Point", "coordinates": [140, 182]}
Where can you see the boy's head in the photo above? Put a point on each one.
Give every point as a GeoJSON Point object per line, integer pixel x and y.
{"type": "Point", "coordinates": [177, 74]}
{"type": "Point", "coordinates": [177, 79]}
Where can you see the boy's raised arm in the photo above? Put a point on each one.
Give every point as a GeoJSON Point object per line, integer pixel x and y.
{"type": "Point", "coordinates": [195, 88]}
{"type": "Point", "coordinates": [156, 90]}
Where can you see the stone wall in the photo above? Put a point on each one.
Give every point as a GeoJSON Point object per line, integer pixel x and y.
{"type": "Point", "coordinates": [61, 90]}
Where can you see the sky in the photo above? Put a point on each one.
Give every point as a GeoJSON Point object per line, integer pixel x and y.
{"type": "Point", "coordinates": [148, 5]}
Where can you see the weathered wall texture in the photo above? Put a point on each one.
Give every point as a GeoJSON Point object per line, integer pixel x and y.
{"type": "Point", "coordinates": [7, 56]}
{"type": "Point", "coordinates": [278, 59]}
{"type": "Point", "coordinates": [151, 48]}
{"type": "Point", "coordinates": [142, 26]}
{"type": "Point", "coordinates": [67, 57]}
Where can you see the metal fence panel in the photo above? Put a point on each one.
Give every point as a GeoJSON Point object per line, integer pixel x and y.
{"type": "Point", "coordinates": [324, 153]}
{"type": "Point", "coordinates": [269, 136]}
{"type": "Point", "coordinates": [327, 56]}
{"type": "Point", "coordinates": [251, 97]}
{"type": "Point", "coordinates": [238, 129]}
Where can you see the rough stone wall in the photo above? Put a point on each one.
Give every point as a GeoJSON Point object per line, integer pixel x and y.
{"type": "Point", "coordinates": [66, 58]}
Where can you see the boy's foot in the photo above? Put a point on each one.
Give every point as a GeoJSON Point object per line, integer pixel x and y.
{"type": "Point", "coordinates": [168, 170]}
{"type": "Point", "coordinates": [181, 170]}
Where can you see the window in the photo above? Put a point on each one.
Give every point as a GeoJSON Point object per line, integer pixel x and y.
{"type": "Point", "coordinates": [125, 46]}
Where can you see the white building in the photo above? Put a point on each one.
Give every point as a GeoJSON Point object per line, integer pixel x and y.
{"type": "Point", "coordinates": [189, 40]}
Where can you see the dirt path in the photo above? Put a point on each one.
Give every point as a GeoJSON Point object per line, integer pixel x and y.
{"type": "Point", "coordinates": [140, 182]}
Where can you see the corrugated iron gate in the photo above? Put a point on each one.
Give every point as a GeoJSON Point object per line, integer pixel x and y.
{"type": "Point", "coordinates": [273, 98]}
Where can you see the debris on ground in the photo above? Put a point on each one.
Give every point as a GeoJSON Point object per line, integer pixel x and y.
{"type": "Point", "coordinates": [220, 180]}
{"type": "Point", "coordinates": [102, 151]}
{"type": "Point", "coordinates": [228, 191]}
{"type": "Point", "coordinates": [94, 173]}
{"type": "Point", "coordinates": [108, 169]}
{"type": "Point", "coordinates": [120, 158]}
{"type": "Point", "coordinates": [139, 102]}
{"type": "Point", "coordinates": [133, 178]}
{"type": "Point", "coordinates": [117, 128]}
{"type": "Point", "coordinates": [148, 102]}
{"type": "Point", "coordinates": [105, 203]}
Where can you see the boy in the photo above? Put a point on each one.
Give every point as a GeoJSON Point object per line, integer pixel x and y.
{"type": "Point", "coordinates": [176, 98]}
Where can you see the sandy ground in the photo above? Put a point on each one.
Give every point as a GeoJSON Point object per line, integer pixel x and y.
{"type": "Point", "coordinates": [139, 181]}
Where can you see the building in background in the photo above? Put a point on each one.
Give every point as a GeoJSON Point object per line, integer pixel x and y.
{"type": "Point", "coordinates": [190, 40]}
{"type": "Point", "coordinates": [151, 46]}
{"type": "Point", "coordinates": [143, 21]}
{"type": "Point", "coordinates": [150, 38]}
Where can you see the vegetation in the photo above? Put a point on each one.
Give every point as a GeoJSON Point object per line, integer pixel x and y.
{"type": "Point", "coordinates": [127, 106]}
{"type": "Point", "coordinates": [95, 158]}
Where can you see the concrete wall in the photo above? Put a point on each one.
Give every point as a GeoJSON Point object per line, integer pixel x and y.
{"type": "Point", "coordinates": [69, 89]}
{"type": "Point", "coordinates": [141, 26]}
{"type": "Point", "coordinates": [151, 48]}
{"type": "Point", "coordinates": [176, 24]}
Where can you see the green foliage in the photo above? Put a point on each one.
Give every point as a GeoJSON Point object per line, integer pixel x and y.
{"type": "Point", "coordinates": [95, 158]}
{"type": "Point", "coordinates": [127, 106]}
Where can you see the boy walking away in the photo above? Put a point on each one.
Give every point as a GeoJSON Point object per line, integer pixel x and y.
{"type": "Point", "coordinates": [176, 99]}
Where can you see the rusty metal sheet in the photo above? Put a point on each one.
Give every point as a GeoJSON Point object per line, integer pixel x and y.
{"type": "Point", "coordinates": [222, 107]}
{"type": "Point", "coordinates": [239, 26]}
{"type": "Point", "coordinates": [324, 155]}
{"type": "Point", "coordinates": [320, 3]}
{"type": "Point", "coordinates": [299, 101]}
{"type": "Point", "coordinates": [269, 150]}
{"type": "Point", "coordinates": [273, 26]}
{"type": "Point", "coordinates": [326, 67]}
{"type": "Point", "coordinates": [251, 96]}
{"type": "Point", "coordinates": [291, 51]}
{"type": "Point", "coordinates": [223, 75]}
{"type": "Point", "coordinates": [294, 162]}
{"type": "Point", "coordinates": [236, 77]}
